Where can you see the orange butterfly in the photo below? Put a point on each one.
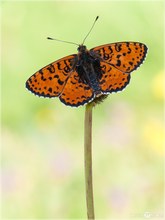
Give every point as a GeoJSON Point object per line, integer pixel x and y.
{"type": "Point", "coordinates": [80, 78]}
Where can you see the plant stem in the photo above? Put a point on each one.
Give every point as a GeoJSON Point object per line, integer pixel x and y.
{"type": "Point", "coordinates": [88, 160]}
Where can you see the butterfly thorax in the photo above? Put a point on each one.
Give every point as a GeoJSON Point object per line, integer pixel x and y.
{"type": "Point", "coordinates": [88, 68]}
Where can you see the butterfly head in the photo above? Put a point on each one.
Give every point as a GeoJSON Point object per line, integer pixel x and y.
{"type": "Point", "coordinates": [82, 48]}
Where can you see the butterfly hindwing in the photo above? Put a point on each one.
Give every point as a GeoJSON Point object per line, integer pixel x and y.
{"type": "Point", "coordinates": [112, 79]}
{"type": "Point", "coordinates": [76, 92]}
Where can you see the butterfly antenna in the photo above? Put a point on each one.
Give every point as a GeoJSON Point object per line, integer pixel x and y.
{"type": "Point", "coordinates": [90, 29]}
{"type": "Point", "coordinates": [49, 38]}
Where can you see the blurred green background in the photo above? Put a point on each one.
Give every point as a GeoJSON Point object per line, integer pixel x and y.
{"type": "Point", "coordinates": [42, 153]}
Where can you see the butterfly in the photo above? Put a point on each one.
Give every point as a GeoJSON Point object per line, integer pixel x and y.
{"type": "Point", "coordinates": [80, 78]}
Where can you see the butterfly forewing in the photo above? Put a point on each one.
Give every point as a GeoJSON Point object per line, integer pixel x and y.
{"type": "Point", "coordinates": [124, 56]}
{"type": "Point", "coordinates": [50, 80]}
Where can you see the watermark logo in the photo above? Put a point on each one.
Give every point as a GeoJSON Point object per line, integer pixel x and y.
{"type": "Point", "coordinates": [148, 215]}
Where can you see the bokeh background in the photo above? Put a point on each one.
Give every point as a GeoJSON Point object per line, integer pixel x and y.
{"type": "Point", "coordinates": [42, 153]}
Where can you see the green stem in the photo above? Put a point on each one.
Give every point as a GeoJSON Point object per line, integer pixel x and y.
{"type": "Point", "coordinates": [88, 160]}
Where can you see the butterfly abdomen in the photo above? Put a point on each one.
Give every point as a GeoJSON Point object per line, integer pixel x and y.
{"type": "Point", "coordinates": [93, 82]}
{"type": "Point", "coordinates": [89, 71]}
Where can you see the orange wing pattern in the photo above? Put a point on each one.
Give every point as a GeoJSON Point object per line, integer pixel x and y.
{"type": "Point", "coordinates": [71, 79]}
{"type": "Point", "coordinates": [76, 92]}
{"type": "Point", "coordinates": [124, 56]}
{"type": "Point", "coordinates": [50, 80]}
{"type": "Point", "coordinates": [112, 80]}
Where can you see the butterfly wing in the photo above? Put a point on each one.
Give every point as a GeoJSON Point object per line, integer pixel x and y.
{"type": "Point", "coordinates": [59, 79]}
{"type": "Point", "coordinates": [76, 92]}
{"type": "Point", "coordinates": [50, 80]}
{"type": "Point", "coordinates": [112, 79]}
{"type": "Point", "coordinates": [124, 56]}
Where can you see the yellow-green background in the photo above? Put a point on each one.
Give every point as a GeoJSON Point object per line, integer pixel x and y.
{"type": "Point", "coordinates": [42, 154]}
